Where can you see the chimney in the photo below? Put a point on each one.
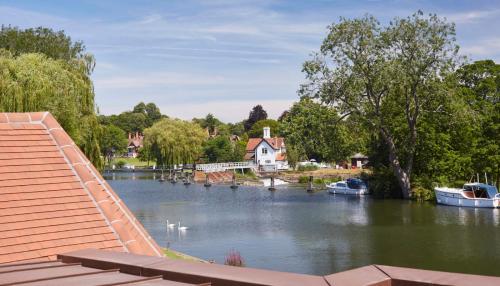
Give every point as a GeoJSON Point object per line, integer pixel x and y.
{"type": "Point", "coordinates": [267, 132]}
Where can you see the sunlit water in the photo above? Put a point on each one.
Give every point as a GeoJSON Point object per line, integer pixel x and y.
{"type": "Point", "coordinates": [292, 230]}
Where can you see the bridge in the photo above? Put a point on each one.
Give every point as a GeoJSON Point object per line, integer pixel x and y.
{"type": "Point", "coordinates": [221, 167]}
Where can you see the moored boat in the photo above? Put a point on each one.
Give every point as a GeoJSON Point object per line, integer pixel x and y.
{"type": "Point", "coordinates": [348, 187]}
{"type": "Point", "coordinates": [477, 195]}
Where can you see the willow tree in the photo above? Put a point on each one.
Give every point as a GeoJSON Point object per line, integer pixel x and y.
{"type": "Point", "coordinates": [174, 141]}
{"type": "Point", "coordinates": [34, 82]}
{"type": "Point", "coordinates": [388, 76]}
{"type": "Point", "coordinates": [44, 70]}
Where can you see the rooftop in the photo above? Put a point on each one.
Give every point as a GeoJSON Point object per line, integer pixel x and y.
{"type": "Point", "coordinates": [53, 200]}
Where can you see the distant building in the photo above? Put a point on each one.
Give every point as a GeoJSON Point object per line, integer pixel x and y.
{"type": "Point", "coordinates": [269, 154]}
{"type": "Point", "coordinates": [359, 160]}
{"type": "Point", "coordinates": [135, 142]}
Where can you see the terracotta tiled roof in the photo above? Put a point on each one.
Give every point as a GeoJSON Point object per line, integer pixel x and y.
{"type": "Point", "coordinates": [280, 157]}
{"type": "Point", "coordinates": [53, 200]}
{"type": "Point", "coordinates": [276, 143]}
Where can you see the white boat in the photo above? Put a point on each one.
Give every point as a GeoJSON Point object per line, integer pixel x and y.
{"type": "Point", "coordinates": [477, 195]}
{"type": "Point", "coordinates": [348, 187]}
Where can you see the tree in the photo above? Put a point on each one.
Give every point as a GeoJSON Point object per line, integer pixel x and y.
{"type": "Point", "coordinates": [387, 76]}
{"type": "Point", "coordinates": [34, 82]}
{"type": "Point", "coordinates": [55, 45]}
{"type": "Point", "coordinates": [44, 70]}
{"type": "Point", "coordinates": [112, 141]}
{"type": "Point", "coordinates": [218, 150]}
{"type": "Point", "coordinates": [256, 114]}
{"type": "Point", "coordinates": [257, 128]}
{"type": "Point", "coordinates": [315, 131]}
{"type": "Point", "coordinates": [174, 141]}
{"type": "Point", "coordinates": [140, 108]}
{"type": "Point", "coordinates": [153, 113]}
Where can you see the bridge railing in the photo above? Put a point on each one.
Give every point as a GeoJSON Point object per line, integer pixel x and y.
{"type": "Point", "coordinates": [218, 167]}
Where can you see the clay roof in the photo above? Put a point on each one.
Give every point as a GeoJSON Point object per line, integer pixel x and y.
{"type": "Point", "coordinates": [280, 157]}
{"type": "Point", "coordinates": [53, 200]}
{"type": "Point", "coordinates": [275, 142]}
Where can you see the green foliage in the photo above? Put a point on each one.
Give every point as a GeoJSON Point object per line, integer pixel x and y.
{"type": "Point", "coordinates": [120, 164]}
{"type": "Point", "coordinates": [141, 117]}
{"type": "Point", "coordinates": [221, 149]}
{"type": "Point", "coordinates": [315, 131]}
{"type": "Point", "coordinates": [55, 45]}
{"type": "Point", "coordinates": [256, 114]}
{"type": "Point", "coordinates": [303, 179]}
{"type": "Point", "coordinates": [308, 167]}
{"type": "Point", "coordinates": [386, 76]}
{"type": "Point", "coordinates": [257, 128]}
{"type": "Point", "coordinates": [112, 141]}
{"type": "Point", "coordinates": [174, 141]}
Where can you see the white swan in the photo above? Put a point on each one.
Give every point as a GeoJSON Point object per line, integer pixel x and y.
{"type": "Point", "coordinates": [182, 227]}
{"type": "Point", "coordinates": [170, 225]}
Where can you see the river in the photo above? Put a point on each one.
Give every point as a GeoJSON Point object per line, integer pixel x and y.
{"type": "Point", "coordinates": [295, 231]}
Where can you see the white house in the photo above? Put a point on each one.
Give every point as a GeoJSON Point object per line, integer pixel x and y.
{"type": "Point", "coordinates": [268, 153]}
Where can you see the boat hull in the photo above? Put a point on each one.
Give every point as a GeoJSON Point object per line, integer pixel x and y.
{"type": "Point", "coordinates": [347, 191]}
{"type": "Point", "coordinates": [455, 198]}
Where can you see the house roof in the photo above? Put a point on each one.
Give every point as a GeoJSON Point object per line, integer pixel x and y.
{"type": "Point", "coordinates": [53, 200]}
{"type": "Point", "coordinates": [98, 267]}
{"type": "Point", "coordinates": [275, 142]}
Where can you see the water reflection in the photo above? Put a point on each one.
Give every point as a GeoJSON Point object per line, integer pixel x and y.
{"type": "Point", "coordinates": [291, 230]}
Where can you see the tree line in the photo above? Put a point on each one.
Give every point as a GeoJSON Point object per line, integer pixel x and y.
{"type": "Point", "coordinates": [400, 92]}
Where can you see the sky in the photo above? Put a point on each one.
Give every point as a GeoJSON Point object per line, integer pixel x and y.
{"type": "Point", "coordinates": [193, 57]}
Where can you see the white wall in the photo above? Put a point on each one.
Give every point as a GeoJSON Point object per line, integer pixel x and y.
{"type": "Point", "coordinates": [261, 158]}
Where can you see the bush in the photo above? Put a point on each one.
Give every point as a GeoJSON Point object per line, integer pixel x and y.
{"type": "Point", "coordinates": [303, 179]}
{"type": "Point", "coordinates": [233, 258]}
{"type": "Point", "coordinates": [422, 194]}
{"type": "Point", "coordinates": [308, 167]}
{"type": "Point", "coordinates": [120, 164]}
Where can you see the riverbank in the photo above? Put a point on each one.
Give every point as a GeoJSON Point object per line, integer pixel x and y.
{"type": "Point", "coordinates": [172, 254]}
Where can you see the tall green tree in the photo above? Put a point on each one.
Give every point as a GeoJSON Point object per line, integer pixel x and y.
{"type": "Point", "coordinates": [257, 128]}
{"type": "Point", "coordinates": [44, 70]}
{"type": "Point", "coordinates": [174, 141]}
{"type": "Point", "coordinates": [386, 75]}
{"type": "Point", "coordinates": [112, 141]}
{"type": "Point", "coordinates": [256, 114]}
{"type": "Point", "coordinates": [315, 131]}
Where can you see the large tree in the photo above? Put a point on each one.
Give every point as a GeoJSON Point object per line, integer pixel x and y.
{"type": "Point", "coordinates": [112, 141]}
{"type": "Point", "coordinates": [258, 127]}
{"type": "Point", "coordinates": [387, 76]}
{"type": "Point", "coordinates": [174, 141]}
{"type": "Point", "coordinates": [315, 131]}
{"type": "Point", "coordinates": [256, 114]}
{"type": "Point", "coordinates": [44, 70]}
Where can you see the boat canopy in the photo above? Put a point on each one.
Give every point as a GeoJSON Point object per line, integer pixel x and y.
{"type": "Point", "coordinates": [355, 183]}
{"type": "Point", "coordinates": [489, 189]}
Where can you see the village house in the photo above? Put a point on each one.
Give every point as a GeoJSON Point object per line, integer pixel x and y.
{"type": "Point", "coordinates": [135, 142]}
{"type": "Point", "coordinates": [61, 223]}
{"type": "Point", "coordinates": [268, 153]}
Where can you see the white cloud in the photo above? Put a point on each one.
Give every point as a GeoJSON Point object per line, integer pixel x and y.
{"type": "Point", "coordinates": [472, 16]}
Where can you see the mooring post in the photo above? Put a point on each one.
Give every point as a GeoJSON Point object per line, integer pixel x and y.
{"type": "Point", "coordinates": [272, 188]}
{"type": "Point", "coordinates": [310, 186]}
{"type": "Point", "coordinates": [207, 181]}
{"type": "Point", "coordinates": [233, 185]}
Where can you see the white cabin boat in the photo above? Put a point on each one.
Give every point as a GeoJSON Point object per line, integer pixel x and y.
{"type": "Point", "coordinates": [349, 187]}
{"type": "Point", "coordinates": [476, 195]}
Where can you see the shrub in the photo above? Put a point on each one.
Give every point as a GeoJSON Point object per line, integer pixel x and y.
{"type": "Point", "coordinates": [422, 194]}
{"type": "Point", "coordinates": [303, 179]}
{"type": "Point", "coordinates": [233, 258]}
{"type": "Point", "coordinates": [120, 164]}
{"type": "Point", "coordinates": [308, 167]}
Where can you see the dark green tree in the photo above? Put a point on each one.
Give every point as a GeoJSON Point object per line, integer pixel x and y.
{"type": "Point", "coordinates": [256, 114]}
{"type": "Point", "coordinates": [389, 76]}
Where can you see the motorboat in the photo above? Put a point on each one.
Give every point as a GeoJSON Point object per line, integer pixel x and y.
{"type": "Point", "coordinates": [477, 195]}
{"type": "Point", "coordinates": [350, 186]}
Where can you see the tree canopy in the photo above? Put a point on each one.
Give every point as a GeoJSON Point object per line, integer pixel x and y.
{"type": "Point", "coordinates": [388, 76]}
{"type": "Point", "coordinates": [174, 141]}
{"type": "Point", "coordinates": [257, 128]}
{"type": "Point", "coordinates": [256, 114]}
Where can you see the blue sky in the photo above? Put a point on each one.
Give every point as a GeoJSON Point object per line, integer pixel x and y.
{"type": "Point", "coordinates": [192, 57]}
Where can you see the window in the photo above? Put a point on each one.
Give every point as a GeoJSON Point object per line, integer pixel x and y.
{"type": "Point", "coordinates": [264, 150]}
{"type": "Point", "coordinates": [268, 161]}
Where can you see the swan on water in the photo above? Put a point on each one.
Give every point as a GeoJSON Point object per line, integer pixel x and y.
{"type": "Point", "coordinates": [182, 227]}
{"type": "Point", "coordinates": [170, 225]}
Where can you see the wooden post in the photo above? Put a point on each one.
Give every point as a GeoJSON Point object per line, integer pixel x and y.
{"type": "Point", "coordinates": [310, 186]}
{"type": "Point", "coordinates": [233, 184]}
{"type": "Point", "coordinates": [272, 188]}
{"type": "Point", "coordinates": [207, 181]}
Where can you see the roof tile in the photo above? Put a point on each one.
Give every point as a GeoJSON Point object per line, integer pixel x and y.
{"type": "Point", "coordinates": [46, 206]}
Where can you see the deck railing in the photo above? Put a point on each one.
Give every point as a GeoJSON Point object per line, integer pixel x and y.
{"type": "Point", "coordinates": [220, 167]}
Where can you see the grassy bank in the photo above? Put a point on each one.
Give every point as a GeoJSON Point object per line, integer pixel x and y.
{"type": "Point", "coordinates": [172, 254]}
{"type": "Point", "coordinates": [131, 161]}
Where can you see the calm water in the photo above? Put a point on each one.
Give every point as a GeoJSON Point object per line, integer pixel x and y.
{"type": "Point", "coordinates": [291, 230]}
